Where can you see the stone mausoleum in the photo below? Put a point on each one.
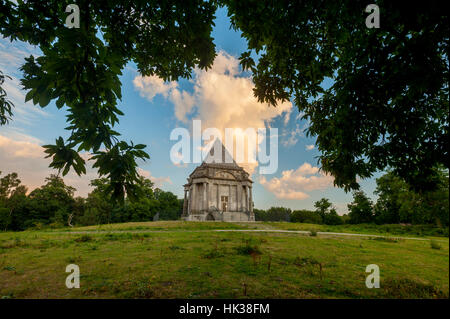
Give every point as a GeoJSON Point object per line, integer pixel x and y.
{"type": "Point", "coordinates": [218, 190]}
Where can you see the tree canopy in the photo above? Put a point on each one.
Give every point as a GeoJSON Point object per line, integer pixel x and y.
{"type": "Point", "coordinates": [387, 105]}
{"type": "Point", "coordinates": [80, 67]}
{"type": "Point", "coordinates": [54, 205]}
{"type": "Point", "coordinates": [398, 202]}
{"type": "Point", "coordinates": [360, 210]}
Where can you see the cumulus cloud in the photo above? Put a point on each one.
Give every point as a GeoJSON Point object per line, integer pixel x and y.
{"type": "Point", "coordinates": [222, 98]}
{"type": "Point", "coordinates": [158, 181]}
{"type": "Point", "coordinates": [150, 86]}
{"type": "Point", "coordinates": [310, 147]}
{"type": "Point", "coordinates": [294, 184]}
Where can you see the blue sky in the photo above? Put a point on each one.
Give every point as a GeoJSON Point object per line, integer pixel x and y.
{"type": "Point", "coordinates": [153, 109]}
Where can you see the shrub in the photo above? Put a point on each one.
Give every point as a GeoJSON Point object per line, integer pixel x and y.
{"type": "Point", "coordinates": [406, 288]}
{"type": "Point", "coordinates": [174, 247]}
{"type": "Point", "coordinates": [306, 216]}
{"type": "Point", "coordinates": [213, 253]}
{"type": "Point", "coordinates": [83, 239]}
{"type": "Point", "coordinates": [248, 249]}
{"type": "Point", "coordinates": [435, 245]}
{"type": "Point", "coordinates": [386, 239]}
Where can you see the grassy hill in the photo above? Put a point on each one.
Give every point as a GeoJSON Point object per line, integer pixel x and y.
{"type": "Point", "coordinates": [194, 260]}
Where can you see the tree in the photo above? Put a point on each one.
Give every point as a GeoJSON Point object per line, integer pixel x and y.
{"type": "Point", "coordinates": [322, 207]}
{"type": "Point", "coordinates": [5, 104]}
{"type": "Point", "coordinates": [12, 196]}
{"type": "Point", "coordinates": [332, 218]}
{"type": "Point", "coordinates": [389, 186]}
{"type": "Point", "coordinates": [360, 210]}
{"type": "Point", "coordinates": [146, 207]}
{"type": "Point", "coordinates": [79, 68]}
{"type": "Point", "coordinates": [387, 105]}
{"type": "Point", "coordinates": [78, 208]}
{"type": "Point", "coordinates": [327, 212]}
{"type": "Point", "coordinates": [98, 203]}
{"type": "Point", "coordinates": [8, 184]}
{"type": "Point", "coordinates": [50, 203]}
{"type": "Point", "coordinates": [17, 207]}
{"type": "Point", "coordinates": [260, 214]}
{"type": "Point", "coordinates": [169, 206]}
{"type": "Point", "coordinates": [306, 216]}
{"type": "Point", "coordinates": [398, 202]}
{"type": "Point", "coordinates": [278, 214]}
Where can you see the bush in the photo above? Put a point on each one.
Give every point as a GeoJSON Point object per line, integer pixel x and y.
{"type": "Point", "coordinates": [435, 245]}
{"type": "Point", "coordinates": [5, 218]}
{"type": "Point", "coordinates": [406, 288]}
{"type": "Point", "coordinates": [273, 214]}
{"type": "Point", "coordinates": [83, 239]}
{"type": "Point", "coordinates": [213, 253]}
{"type": "Point", "coordinates": [248, 249]}
{"type": "Point", "coordinates": [306, 216]}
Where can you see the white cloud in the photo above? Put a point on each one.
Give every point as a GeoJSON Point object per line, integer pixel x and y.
{"type": "Point", "coordinates": [310, 147]}
{"type": "Point", "coordinates": [294, 184]}
{"type": "Point", "coordinates": [292, 136]}
{"type": "Point", "coordinates": [158, 181]}
{"type": "Point", "coordinates": [184, 102]}
{"type": "Point", "coordinates": [222, 98]}
{"type": "Point", "coordinates": [150, 86]}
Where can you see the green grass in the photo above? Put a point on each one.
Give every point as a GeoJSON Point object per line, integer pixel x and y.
{"type": "Point", "coordinates": [158, 226]}
{"type": "Point", "coordinates": [390, 229]}
{"type": "Point", "coordinates": [187, 264]}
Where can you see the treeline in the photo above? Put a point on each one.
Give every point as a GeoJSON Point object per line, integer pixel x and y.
{"type": "Point", "coordinates": [397, 203]}
{"type": "Point", "coordinates": [54, 205]}
{"type": "Point", "coordinates": [324, 213]}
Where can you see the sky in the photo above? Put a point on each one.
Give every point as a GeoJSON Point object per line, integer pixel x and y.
{"type": "Point", "coordinates": [221, 97]}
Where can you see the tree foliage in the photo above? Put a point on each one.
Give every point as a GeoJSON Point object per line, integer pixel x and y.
{"type": "Point", "coordinates": [360, 210]}
{"type": "Point", "coordinates": [5, 104]}
{"type": "Point", "coordinates": [54, 205]}
{"type": "Point", "coordinates": [387, 105]}
{"type": "Point", "coordinates": [80, 67]}
{"type": "Point", "coordinates": [398, 202]}
{"type": "Point", "coordinates": [327, 212]}
{"type": "Point", "coordinates": [388, 102]}
{"type": "Point", "coordinates": [306, 216]}
{"type": "Point", "coordinates": [274, 214]}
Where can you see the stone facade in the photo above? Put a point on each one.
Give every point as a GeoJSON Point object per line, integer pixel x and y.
{"type": "Point", "coordinates": [218, 191]}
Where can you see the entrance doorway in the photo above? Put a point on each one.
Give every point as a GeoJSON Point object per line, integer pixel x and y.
{"type": "Point", "coordinates": [224, 201]}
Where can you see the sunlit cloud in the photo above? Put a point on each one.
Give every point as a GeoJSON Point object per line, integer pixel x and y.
{"type": "Point", "coordinates": [222, 98]}
{"type": "Point", "coordinates": [295, 184]}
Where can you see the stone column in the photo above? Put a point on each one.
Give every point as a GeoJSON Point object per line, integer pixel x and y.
{"type": "Point", "coordinates": [190, 200]}
{"type": "Point", "coordinates": [185, 203]}
{"type": "Point", "coordinates": [250, 200]}
{"type": "Point", "coordinates": [244, 197]}
{"type": "Point", "coordinates": [217, 198]}
{"type": "Point", "coordinates": [193, 198]}
{"type": "Point", "coordinates": [205, 199]}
